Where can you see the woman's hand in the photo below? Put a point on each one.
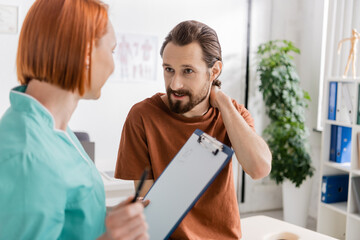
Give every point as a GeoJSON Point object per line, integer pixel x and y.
{"type": "Point", "coordinates": [126, 221]}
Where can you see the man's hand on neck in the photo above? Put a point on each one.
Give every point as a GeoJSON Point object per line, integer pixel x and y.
{"type": "Point", "coordinates": [218, 98]}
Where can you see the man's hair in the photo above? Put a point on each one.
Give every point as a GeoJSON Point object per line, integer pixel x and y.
{"type": "Point", "coordinates": [55, 39]}
{"type": "Point", "coordinates": [192, 31]}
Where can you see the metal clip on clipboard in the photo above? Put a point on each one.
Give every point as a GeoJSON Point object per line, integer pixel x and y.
{"type": "Point", "coordinates": [210, 143]}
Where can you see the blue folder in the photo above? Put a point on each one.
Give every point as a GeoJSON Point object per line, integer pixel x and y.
{"type": "Point", "coordinates": [334, 188]}
{"type": "Point", "coordinates": [332, 100]}
{"type": "Point", "coordinates": [343, 144]}
{"type": "Point", "coordinates": [333, 137]}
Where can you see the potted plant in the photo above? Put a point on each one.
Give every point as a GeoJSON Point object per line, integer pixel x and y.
{"type": "Point", "coordinates": [285, 103]}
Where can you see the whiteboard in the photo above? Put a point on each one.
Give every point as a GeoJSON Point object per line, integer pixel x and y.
{"type": "Point", "coordinates": [183, 181]}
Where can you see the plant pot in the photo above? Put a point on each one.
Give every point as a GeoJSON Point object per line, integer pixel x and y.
{"type": "Point", "coordinates": [296, 202]}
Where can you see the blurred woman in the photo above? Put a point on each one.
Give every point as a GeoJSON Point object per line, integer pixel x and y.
{"type": "Point", "coordinates": [49, 187]}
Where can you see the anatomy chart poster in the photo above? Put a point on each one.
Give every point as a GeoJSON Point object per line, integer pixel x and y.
{"type": "Point", "coordinates": [135, 58]}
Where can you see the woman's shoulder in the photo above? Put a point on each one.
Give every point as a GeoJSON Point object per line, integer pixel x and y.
{"type": "Point", "coordinates": [23, 139]}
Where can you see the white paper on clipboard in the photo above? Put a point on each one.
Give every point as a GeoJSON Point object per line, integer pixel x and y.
{"type": "Point", "coordinates": [183, 181]}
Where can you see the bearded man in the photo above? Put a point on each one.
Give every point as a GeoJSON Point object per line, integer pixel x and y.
{"type": "Point", "coordinates": [157, 128]}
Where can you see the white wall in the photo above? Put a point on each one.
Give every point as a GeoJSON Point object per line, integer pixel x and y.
{"type": "Point", "coordinates": [8, 46]}
{"type": "Point", "coordinates": [259, 194]}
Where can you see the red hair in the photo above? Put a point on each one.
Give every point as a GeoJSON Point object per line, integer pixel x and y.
{"type": "Point", "coordinates": [56, 38]}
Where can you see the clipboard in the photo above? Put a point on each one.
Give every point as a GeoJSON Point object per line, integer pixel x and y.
{"type": "Point", "coordinates": [183, 182]}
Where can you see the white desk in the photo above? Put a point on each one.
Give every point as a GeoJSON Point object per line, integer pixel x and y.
{"type": "Point", "coordinates": [267, 228]}
{"type": "Point", "coordinates": [116, 190]}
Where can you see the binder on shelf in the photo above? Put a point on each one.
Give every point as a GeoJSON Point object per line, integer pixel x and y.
{"type": "Point", "coordinates": [338, 102]}
{"type": "Point", "coordinates": [343, 144]}
{"type": "Point", "coordinates": [183, 182]}
{"type": "Point", "coordinates": [358, 150]}
{"type": "Point", "coordinates": [358, 110]}
{"type": "Point", "coordinates": [348, 98]}
{"type": "Point", "coordinates": [332, 100]}
{"type": "Point", "coordinates": [334, 188]}
{"type": "Point", "coordinates": [345, 99]}
{"type": "Point", "coordinates": [340, 144]}
{"type": "Point", "coordinates": [333, 137]}
{"type": "Point", "coordinates": [356, 191]}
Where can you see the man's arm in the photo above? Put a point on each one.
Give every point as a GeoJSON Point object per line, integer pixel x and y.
{"type": "Point", "coordinates": [251, 150]}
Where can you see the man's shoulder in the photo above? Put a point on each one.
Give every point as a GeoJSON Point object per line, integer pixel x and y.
{"type": "Point", "coordinates": [244, 113]}
{"type": "Point", "coordinates": [147, 105]}
{"type": "Point", "coordinates": [240, 108]}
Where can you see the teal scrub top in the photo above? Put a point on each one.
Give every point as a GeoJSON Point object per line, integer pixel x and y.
{"type": "Point", "coordinates": [49, 187]}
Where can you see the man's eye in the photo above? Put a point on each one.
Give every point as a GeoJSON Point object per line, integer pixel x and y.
{"type": "Point", "coordinates": [167, 69]}
{"type": "Point", "coordinates": [188, 71]}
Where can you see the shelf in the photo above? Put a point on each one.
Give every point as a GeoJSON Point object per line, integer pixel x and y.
{"type": "Point", "coordinates": [356, 126]}
{"type": "Point", "coordinates": [356, 171]}
{"type": "Point", "coordinates": [332, 122]}
{"type": "Point", "coordinates": [339, 220]}
{"type": "Point", "coordinates": [342, 79]}
{"type": "Point", "coordinates": [340, 207]}
{"type": "Point", "coordinates": [355, 216]}
{"type": "Point", "coordinates": [341, 166]}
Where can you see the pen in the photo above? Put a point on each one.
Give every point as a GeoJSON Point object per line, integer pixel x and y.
{"type": "Point", "coordinates": [139, 187]}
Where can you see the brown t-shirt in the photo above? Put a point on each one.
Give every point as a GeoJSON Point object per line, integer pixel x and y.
{"type": "Point", "coordinates": [152, 135]}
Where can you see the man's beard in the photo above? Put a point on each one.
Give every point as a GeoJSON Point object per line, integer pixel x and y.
{"type": "Point", "coordinates": [178, 107]}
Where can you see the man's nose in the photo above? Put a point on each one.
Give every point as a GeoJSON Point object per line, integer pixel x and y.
{"type": "Point", "coordinates": [176, 82]}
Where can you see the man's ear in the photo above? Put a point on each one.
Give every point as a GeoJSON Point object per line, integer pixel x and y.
{"type": "Point", "coordinates": [216, 70]}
